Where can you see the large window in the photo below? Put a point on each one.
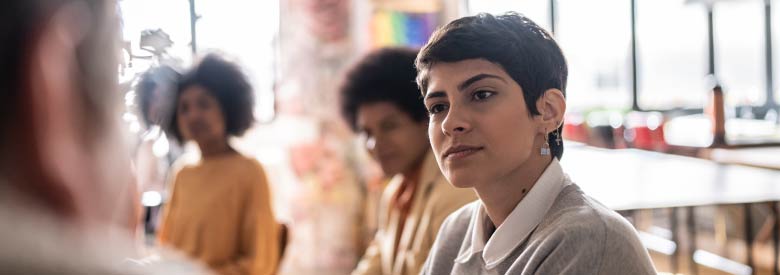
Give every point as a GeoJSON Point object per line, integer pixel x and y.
{"type": "Point", "coordinates": [172, 17]}
{"type": "Point", "coordinates": [740, 54]}
{"type": "Point", "coordinates": [245, 30]}
{"type": "Point", "coordinates": [672, 54]}
{"type": "Point", "coordinates": [139, 16]}
{"type": "Point", "coordinates": [536, 10]}
{"type": "Point", "coordinates": [672, 50]}
{"type": "Point", "coordinates": [595, 36]}
{"type": "Point", "coordinates": [776, 47]}
{"type": "Point", "coordinates": [242, 30]}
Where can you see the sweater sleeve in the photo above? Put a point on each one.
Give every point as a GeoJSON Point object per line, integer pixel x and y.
{"type": "Point", "coordinates": [259, 238]}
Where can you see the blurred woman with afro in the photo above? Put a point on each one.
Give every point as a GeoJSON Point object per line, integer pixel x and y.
{"type": "Point", "coordinates": [220, 210]}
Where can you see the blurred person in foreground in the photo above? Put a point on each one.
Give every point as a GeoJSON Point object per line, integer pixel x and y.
{"type": "Point", "coordinates": [220, 210]}
{"type": "Point", "coordinates": [380, 101]}
{"type": "Point", "coordinates": [494, 87]}
{"type": "Point", "coordinates": [67, 197]}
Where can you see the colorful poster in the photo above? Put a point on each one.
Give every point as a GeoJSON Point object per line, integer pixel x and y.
{"type": "Point", "coordinates": [399, 28]}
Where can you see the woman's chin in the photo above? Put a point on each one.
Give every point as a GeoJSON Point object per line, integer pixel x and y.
{"type": "Point", "coordinates": [460, 181]}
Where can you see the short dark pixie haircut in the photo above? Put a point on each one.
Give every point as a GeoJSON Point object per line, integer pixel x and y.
{"type": "Point", "coordinates": [384, 75]}
{"type": "Point", "coordinates": [228, 84]}
{"type": "Point", "coordinates": [524, 50]}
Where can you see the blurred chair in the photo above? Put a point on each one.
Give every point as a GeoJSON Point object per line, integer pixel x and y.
{"type": "Point", "coordinates": [284, 236]}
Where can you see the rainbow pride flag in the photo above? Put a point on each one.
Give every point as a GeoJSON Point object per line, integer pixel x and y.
{"type": "Point", "coordinates": [397, 28]}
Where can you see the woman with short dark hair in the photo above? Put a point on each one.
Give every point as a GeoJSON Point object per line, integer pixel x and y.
{"type": "Point", "coordinates": [494, 87]}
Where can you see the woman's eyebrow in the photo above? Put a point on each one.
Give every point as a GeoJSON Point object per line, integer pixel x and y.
{"type": "Point", "coordinates": [435, 94]}
{"type": "Point", "coordinates": [476, 78]}
{"type": "Point", "coordinates": [462, 86]}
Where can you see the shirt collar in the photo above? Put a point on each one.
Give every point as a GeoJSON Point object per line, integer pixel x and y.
{"type": "Point", "coordinates": [520, 222]}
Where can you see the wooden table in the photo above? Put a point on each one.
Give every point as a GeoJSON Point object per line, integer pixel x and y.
{"type": "Point", "coordinates": [630, 179]}
{"type": "Point", "coordinates": [763, 157]}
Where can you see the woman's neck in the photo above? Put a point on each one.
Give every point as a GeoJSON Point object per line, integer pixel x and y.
{"type": "Point", "coordinates": [214, 148]}
{"type": "Point", "coordinates": [413, 172]}
{"type": "Point", "coordinates": [501, 196]}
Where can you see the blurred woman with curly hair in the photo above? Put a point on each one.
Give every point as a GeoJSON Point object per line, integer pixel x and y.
{"type": "Point", "coordinates": [220, 209]}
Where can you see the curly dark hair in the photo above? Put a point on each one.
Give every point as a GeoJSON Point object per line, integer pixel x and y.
{"type": "Point", "coordinates": [385, 75]}
{"type": "Point", "coordinates": [228, 84]}
{"type": "Point", "coordinates": [524, 50]}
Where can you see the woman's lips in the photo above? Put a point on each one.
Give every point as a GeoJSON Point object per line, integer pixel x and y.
{"type": "Point", "coordinates": [461, 152]}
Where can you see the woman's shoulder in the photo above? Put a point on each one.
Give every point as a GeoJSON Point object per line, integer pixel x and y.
{"type": "Point", "coordinates": [236, 164]}
{"type": "Point", "coordinates": [574, 208]}
{"type": "Point", "coordinates": [579, 221]}
{"type": "Point", "coordinates": [246, 162]}
{"type": "Point", "coordinates": [246, 166]}
{"type": "Point", "coordinates": [574, 215]}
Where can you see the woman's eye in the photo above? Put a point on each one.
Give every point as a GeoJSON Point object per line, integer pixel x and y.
{"type": "Point", "coordinates": [388, 126]}
{"type": "Point", "coordinates": [204, 104]}
{"type": "Point", "coordinates": [482, 95]}
{"type": "Point", "coordinates": [437, 108]}
{"type": "Point", "coordinates": [183, 107]}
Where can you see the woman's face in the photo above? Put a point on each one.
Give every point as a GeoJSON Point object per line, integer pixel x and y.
{"type": "Point", "coordinates": [199, 116]}
{"type": "Point", "coordinates": [392, 137]}
{"type": "Point", "coordinates": [480, 128]}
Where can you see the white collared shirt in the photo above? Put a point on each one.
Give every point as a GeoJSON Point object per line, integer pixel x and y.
{"type": "Point", "coordinates": [528, 213]}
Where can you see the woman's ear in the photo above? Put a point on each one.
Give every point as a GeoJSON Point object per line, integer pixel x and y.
{"type": "Point", "coordinates": [551, 106]}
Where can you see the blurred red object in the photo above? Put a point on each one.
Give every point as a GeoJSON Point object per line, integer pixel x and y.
{"type": "Point", "coordinates": [574, 128]}
{"type": "Point", "coordinates": [644, 130]}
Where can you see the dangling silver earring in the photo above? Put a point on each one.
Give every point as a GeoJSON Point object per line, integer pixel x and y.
{"type": "Point", "coordinates": [546, 145]}
{"type": "Point", "coordinates": [558, 136]}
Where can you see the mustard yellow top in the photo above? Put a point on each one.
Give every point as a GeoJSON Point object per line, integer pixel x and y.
{"type": "Point", "coordinates": [220, 214]}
